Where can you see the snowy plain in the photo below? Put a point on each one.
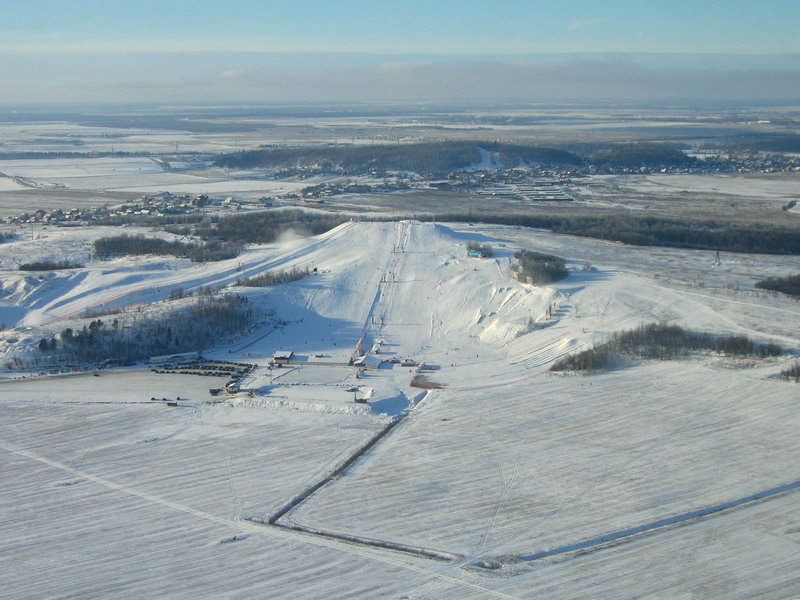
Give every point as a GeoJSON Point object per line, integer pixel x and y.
{"type": "Point", "coordinates": [110, 494]}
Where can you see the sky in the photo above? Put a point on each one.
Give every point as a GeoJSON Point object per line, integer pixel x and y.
{"type": "Point", "coordinates": [411, 50]}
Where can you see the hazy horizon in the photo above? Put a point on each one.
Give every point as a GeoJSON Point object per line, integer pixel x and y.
{"type": "Point", "coordinates": [446, 51]}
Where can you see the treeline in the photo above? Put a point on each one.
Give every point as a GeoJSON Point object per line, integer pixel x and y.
{"type": "Point", "coordinates": [791, 374]}
{"type": "Point", "coordinates": [661, 342]}
{"type": "Point", "coordinates": [420, 158]}
{"type": "Point", "coordinates": [538, 268]}
{"type": "Point", "coordinates": [49, 265]}
{"type": "Point", "coordinates": [514, 155]}
{"type": "Point", "coordinates": [642, 154]}
{"type": "Point", "coordinates": [776, 143]}
{"type": "Point", "coordinates": [269, 278]}
{"type": "Point", "coordinates": [786, 285]}
{"type": "Point", "coordinates": [137, 245]}
{"type": "Point", "coordinates": [260, 227]}
{"type": "Point", "coordinates": [654, 231]}
{"type": "Point", "coordinates": [202, 325]}
{"type": "Point", "coordinates": [443, 156]}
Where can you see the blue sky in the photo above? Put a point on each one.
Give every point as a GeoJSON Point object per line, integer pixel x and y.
{"type": "Point", "coordinates": [65, 50]}
{"type": "Point", "coordinates": [410, 26]}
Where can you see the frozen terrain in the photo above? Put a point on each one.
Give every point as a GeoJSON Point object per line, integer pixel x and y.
{"type": "Point", "coordinates": [125, 175]}
{"type": "Point", "coordinates": [108, 493]}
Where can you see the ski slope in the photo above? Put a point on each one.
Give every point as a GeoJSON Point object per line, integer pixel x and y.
{"type": "Point", "coordinates": [110, 494]}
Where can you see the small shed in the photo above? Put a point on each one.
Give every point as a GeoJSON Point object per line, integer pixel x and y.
{"type": "Point", "coordinates": [282, 357]}
{"type": "Point", "coordinates": [369, 362]}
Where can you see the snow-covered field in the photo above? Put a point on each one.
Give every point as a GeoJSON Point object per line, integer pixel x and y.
{"type": "Point", "coordinates": [734, 185]}
{"type": "Point", "coordinates": [62, 136]}
{"type": "Point", "coordinates": [125, 175]}
{"type": "Point", "coordinates": [110, 494]}
{"type": "Point", "coordinates": [742, 197]}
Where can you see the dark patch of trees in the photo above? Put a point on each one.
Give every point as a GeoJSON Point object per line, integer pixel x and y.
{"type": "Point", "coordinates": [791, 374]}
{"type": "Point", "coordinates": [181, 292]}
{"type": "Point", "coordinates": [786, 285]}
{"type": "Point", "coordinates": [268, 278]}
{"type": "Point", "coordinates": [137, 245]}
{"type": "Point", "coordinates": [587, 361]}
{"type": "Point", "coordinates": [484, 249]}
{"type": "Point", "coordinates": [540, 268]}
{"type": "Point", "coordinates": [201, 325]}
{"type": "Point", "coordinates": [776, 143]}
{"type": "Point", "coordinates": [424, 382]}
{"type": "Point", "coordinates": [661, 342]}
{"type": "Point", "coordinates": [50, 265]}
{"type": "Point", "coordinates": [261, 227]}
{"type": "Point", "coordinates": [643, 154]}
{"type": "Point", "coordinates": [513, 155]}
{"type": "Point", "coordinates": [420, 158]}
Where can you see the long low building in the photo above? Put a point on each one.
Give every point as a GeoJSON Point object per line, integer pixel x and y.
{"type": "Point", "coordinates": [168, 358]}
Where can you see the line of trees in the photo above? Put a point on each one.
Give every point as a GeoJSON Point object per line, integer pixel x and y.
{"type": "Point", "coordinates": [137, 245]}
{"type": "Point", "coordinates": [787, 285]}
{"type": "Point", "coordinates": [539, 268]}
{"type": "Point", "coordinates": [49, 265]}
{"type": "Point", "coordinates": [267, 226]}
{"type": "Point", "coordinates": [260, 227]}
{"type": "Point", "coordinates": [273, 278]}
{"type": "Point", "coordinates": [661, 342]}
{"type": "Point", "coordinates": [643, 154]}
{"type": "Point", "coordinates": [773, 143]}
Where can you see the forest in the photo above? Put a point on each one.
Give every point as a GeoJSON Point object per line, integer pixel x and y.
{"type": "Point", "coordinates": [202, 325]}
{"type": "Point", "coordinates": [643, 154]}
{"type": "Point", "coordinates": [425, 158]}
{"type": "Point", "coordinates": [770, 143]}
{"type": "Point", "coordinates": [138, 245]}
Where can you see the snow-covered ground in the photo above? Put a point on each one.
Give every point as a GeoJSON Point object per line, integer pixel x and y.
{"type": "Point", "coordinates": [108, 493]}
{"type": "Point", "coordinates": [125, 175]}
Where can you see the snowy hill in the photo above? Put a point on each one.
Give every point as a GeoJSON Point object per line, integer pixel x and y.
{"type": "Point", "coordinates": [394, 490]}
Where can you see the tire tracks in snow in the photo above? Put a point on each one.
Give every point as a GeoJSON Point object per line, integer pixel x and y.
{"type": "Point", "coordinates": [242, 526]}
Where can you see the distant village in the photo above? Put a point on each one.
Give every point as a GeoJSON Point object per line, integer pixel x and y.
{"type": "Point", "coordinates": [163, 204]}
{"type": "Point", "coordinates": [533, 183]}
